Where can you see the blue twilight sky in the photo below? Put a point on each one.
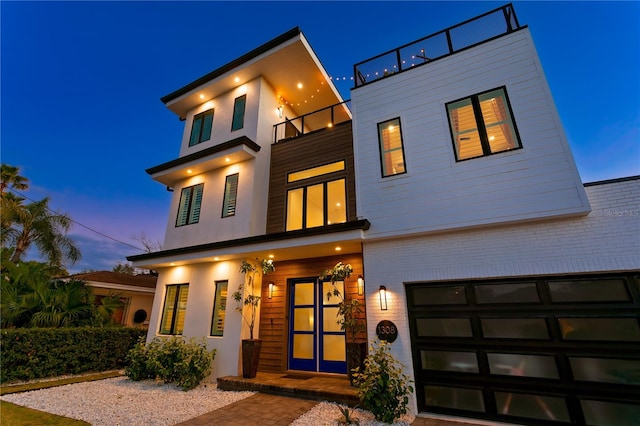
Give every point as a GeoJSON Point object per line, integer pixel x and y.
{"type": "Point", "coordinates": [81, 84]}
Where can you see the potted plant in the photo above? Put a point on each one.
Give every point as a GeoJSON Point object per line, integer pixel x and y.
{"type": "Point", "coordinates": [248, 302]}
{"type": "Point", "coordinates": [348, 317]}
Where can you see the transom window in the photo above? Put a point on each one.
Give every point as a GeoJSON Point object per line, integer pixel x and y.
{"type": "Point", "coordinates": [190, 202]}
{"type": "Point", "coordinates": [201, 127]}
{"type": "Point", "coordinates": [482, 125]}
{"type": "Point", "coordinates": [391, 147]}
{"type": "Point", "coordinates": [175, 308]}
{"type": "Point", "coordinates": [316, 205]}
{"type": "Point", "coordinates": [238, 113]}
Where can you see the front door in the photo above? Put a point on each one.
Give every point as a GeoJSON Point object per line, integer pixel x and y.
{"type": "Point", "coordinates": [316, 342]}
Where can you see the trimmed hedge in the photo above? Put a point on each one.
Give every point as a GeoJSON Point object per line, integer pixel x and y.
{"type": "Point", "coordinates": [35, 353]}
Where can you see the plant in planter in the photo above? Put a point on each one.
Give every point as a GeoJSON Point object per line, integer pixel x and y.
{"type": "Point", "coordinates": [248, 302]}
{"type": "Point", "coordinates": [348, 316]}
{"type": "Point", "coordinates": [382, 386]}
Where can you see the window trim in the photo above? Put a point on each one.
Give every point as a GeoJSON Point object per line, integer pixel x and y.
{"type": "Point", "coordinates": [172, 330]}
{"type": "Point", "coordinates": [227, 200]}
{"type": "Point", "coordinates": [219, 304]}
{"type": "Point", "coordinates": [480, 124]}
{"type": "Point", "coordinates": [202, 115]}
{"type": "Point", "coordinates": [237, 121]}
{"type": "Point", "coordinates": [379, 126]}
{"type": "Point", "coordinates": [191, 206]}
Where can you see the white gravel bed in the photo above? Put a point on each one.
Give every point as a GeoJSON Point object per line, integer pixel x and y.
{"type": "Point", "coordinates": [328, 414]}
{"type": "Point", "coordinates": [120, 401]}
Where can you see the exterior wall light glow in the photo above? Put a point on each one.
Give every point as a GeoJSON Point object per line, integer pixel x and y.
{"type": "Point", "coordinates": [280, 110]}
{"type": "Point", "coordinates": [383, 298]}
{"type": "Point", "coordinates": [271, 287]}
{"type": "Point", "coordinates": [360, 285]}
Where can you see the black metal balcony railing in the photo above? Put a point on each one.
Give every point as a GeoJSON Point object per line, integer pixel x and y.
{"type": "Point", "coordinates": [472, 32]}
{"type": "Point", "coordinates": [316, 120]}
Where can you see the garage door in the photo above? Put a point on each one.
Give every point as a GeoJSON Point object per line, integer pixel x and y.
{"type": "Point", "coordinates": [539, 351]}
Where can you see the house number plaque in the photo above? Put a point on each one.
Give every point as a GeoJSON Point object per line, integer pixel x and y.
{"type": "Point", "coordinates": [386, 330]}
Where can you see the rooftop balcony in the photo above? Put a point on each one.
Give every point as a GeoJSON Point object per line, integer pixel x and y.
{"type": "Point", "coordinates": [470, 33]}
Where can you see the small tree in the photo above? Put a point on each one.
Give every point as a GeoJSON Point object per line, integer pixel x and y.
{"type": "Point", "coordinates": [348, 310]}
{"type": "Point", "coordinates": [245, 295]}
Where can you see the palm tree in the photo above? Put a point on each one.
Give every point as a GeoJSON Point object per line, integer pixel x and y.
{"type": "Point", "coordinates": [9, 177]}
{"type": "Point", "coordinates": [35, 224]}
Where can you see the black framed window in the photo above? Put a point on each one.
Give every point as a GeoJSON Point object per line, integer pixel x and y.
{"type": "Point", "coordinates": [219, 308]}
{"type": "Point", "coordinates": [201, 128]}
{"type": "Point", "coordinates": [315, 205]}
{"type": "Point", "coordinates": [482, 124]}
{"type": "Point", "coordinates": [190, 203]}
{"type": "Point", "coordinates": [230, 195]}
{"type": "Point", "coordinates": [175, 308]}
{"type": "Point", "coordinates": [391, 148]}
{"type": "Point", "coordinates": [238, 113]}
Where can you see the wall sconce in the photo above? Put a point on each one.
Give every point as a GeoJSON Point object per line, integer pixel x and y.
{"type": "Point", "coordinates": [360, 285]}
{"type": "Point", "coordinates": [280, 109]}
{"type": "Point", "coordinates": [271, 286]}
{"type": "Point", "coordinates": [383, 298]}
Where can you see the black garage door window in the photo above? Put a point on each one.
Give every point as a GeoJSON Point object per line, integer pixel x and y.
{"type": "Point", "coordinates": [537, 351]}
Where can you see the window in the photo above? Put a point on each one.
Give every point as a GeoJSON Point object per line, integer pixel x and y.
{"type": "Point", "coordinates": [482, 125]}
{"type": "Point", "coordinates": [230, 196]}
{"type": "Point", "coordinates": [316, 205]}
{"type": "Point", "coordinates": [190, 201]}
{"type": "Point", "coordinates": [219, 308]}
{"type": "Point", "coordinates": [175, 307]}
{"type": "Point", "coordinates": [238, 113]}
{"type": "Point", "coordinates": [391, 149]}
{"type": "Point", "coordinates": [201, 128]}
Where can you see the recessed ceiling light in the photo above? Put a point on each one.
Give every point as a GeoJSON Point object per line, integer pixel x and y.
{"type": "Point", "coordinates": [172, 264]}
{"type": "Point", "coordinates": [299, 85]}
{"type": "Point", "coordinates": [271, 256]}
{"type": "Point", "coordinates": [201, 96]}
{"type": "Point", "coordinates": [216, 258]}
{"type": "Point", "coordinates": [189, 171]}
{"type": "Point", "coordinates": [237, 79]}
{"type": "Point", "coordinates": [338, 248]}
{"type": "Point", "coordinates": [227, 159]}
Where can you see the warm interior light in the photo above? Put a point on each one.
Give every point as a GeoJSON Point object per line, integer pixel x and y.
{"type": "Point", "coordinates": [360, 285]}
{"type": "Point", "coordinates": [383, 298]}
{"type": "Point", "coordinates": [299, 85]}
{"type": "Point", "coordinates": [271, 286]}
{"type": "Point", "coordinates": [330, 125]}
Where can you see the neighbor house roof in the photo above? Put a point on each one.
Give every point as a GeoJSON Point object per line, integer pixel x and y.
{"type": "Point", "coordinates": [108, 277]}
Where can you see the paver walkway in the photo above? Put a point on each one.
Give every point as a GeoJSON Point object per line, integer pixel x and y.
{"type": "Point", "coordinates": [274, 410]}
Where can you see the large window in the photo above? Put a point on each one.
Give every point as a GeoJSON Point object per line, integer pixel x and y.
{"type": "Point", "coordinates": [316, 205]}
{"type": "Point", "coordinates": [175, 307]}
{"type": "Point", "coordinates": [190, 202]}
{"type": "Point", "coordinates": [482, 125]}
{"type": "Point", "coordinates": [230, 196]}
{"type": "Point", "coordinates": [201, 128]}
{"type": "Point", "coordinates": [391, 148]}
{"type": "Point", "coordinates": [219, 308]}
{"type": "Point", "coordinates": [238, 113]}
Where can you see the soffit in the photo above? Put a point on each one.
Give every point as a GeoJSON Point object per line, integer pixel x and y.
{"type": "Point", "coordinates": [284, 67]}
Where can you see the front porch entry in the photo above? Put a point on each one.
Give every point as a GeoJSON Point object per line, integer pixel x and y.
{"type": "Point", "coordinates": [316, 343]}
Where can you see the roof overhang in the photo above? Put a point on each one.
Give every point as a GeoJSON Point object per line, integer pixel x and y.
{"type": "Point", "coordinates": [303, 244]}
{"type": "Point", "coordinates": [287, 63]}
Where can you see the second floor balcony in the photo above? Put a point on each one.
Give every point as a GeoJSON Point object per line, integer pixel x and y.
{"type": "Point", "coordinates": [313, 121]}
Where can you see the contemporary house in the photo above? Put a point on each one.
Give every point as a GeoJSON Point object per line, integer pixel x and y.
{"type": "Point", "coordinates": [510, 289]}
{"type": "Point", "coordinates": [135, 291]}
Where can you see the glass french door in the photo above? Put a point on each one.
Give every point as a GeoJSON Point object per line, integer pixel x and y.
{"type": "Point", "coordinates": [316, 342]}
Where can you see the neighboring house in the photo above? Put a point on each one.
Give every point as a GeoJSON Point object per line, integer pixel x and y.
{"type": "Point", "coordinates": [447, 181]}
{"type": "Point", "coordinates": [136, 291]}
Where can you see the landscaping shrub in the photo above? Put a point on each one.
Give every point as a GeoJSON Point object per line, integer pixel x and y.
{"type": "Point", "coordinates": [172, 360]}
{"type": "Point", "coordinates": [382, 387]}
{"type": "Point", "coordinates": [35, 353]}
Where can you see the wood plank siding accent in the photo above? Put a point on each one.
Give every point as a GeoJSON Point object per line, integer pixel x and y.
{"type": "Point", "coordinates": [274, 328]}
{"type": "Point", "coordinates": [304, 152]}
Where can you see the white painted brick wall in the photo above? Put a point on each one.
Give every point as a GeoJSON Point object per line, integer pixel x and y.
{"type": "Point", "coordinates": [607, 240]}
